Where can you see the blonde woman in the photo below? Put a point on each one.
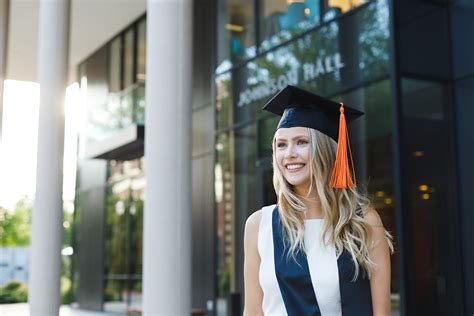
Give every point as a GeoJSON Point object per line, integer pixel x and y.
{"type": "Point", "coordinates": [322, 250]}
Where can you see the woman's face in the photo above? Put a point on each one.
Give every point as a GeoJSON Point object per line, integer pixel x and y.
{"type": "Point", "coordinates": [293, 154]}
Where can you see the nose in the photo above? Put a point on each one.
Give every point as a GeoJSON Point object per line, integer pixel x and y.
{"type": "Point", "coordinates": [290, 151]}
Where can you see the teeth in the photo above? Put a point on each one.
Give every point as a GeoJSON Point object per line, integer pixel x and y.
{"type": "Point", "coordinates": [292, 167]}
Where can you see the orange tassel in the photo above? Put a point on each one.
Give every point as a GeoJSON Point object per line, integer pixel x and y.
{"type": "Point", "coordinates": [341, 174]}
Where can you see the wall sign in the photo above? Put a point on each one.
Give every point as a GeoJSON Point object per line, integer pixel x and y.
{"type": "Point", "coordinates": [308, 71]}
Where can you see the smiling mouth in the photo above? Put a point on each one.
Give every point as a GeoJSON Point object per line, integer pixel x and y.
{"type": "Point", "coordinates": [294, 167]}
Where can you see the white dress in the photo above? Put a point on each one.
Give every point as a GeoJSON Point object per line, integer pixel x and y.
{"type": "Point", "coordinates": [289, 290]}
{"type": "Point", "coordinates": [322, 264]}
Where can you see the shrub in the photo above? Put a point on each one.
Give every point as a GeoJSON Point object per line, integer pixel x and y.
{"type": "Point", "coordinates": [14, 292]}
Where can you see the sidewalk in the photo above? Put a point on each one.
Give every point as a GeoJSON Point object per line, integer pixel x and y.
{"type": "Point", "coordinates": [66, 310]}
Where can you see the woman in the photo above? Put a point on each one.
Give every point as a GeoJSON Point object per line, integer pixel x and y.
{"type": "Point", "coordinates": [322, 250]}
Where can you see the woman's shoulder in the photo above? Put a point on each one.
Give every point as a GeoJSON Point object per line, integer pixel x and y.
{"type": "Point", "coordinates": [371, 215]}
{"type": "Point", "coordinates": [251, 229]}
{"type": "Point", "coordinates": [253, 221]}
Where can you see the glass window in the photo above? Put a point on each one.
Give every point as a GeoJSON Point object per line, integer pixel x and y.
{"type": "Point", "coordinates": [141, 51]}
{"type": "Point", "coordinates": [115, 65]}
{"type": "Point", "coordinates": [281, 20]}
{"type": "Point", "coordinates": [136, 224]}
{"type": "Point", "coordinates": [266, 130]}
{"type": "Point", "coordinates": [371, 144]}
{"type": "Point", "coordinates": [129, 59]}
{"type": "Point", "coordinates": [236, 198]}
{"type": "Point", "coordinates": [224, 220]}
{"type": "Point", "coordinates": [236, 32]}
{"type": "Point", "coordinates": [139, 108]}
{"type": "Point", "coordinates": [427, 177]}
{"type": "Point", "coordinates": [281, 16]}
{"type": "Point", "coordinates": [224, 100]}
{"type": "Point", "coordinates": [124, 235]}
{"type": "Point", "coordinates": [251, 176]}
{"type": "Point", "coordinates": [343, 6]}
{"type": "Point", "coordinates": [340, 54]}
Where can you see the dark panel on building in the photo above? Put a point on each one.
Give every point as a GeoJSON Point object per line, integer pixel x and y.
{"type": "Point", "coordinates": [91, 198]}
{"type": "Point", "coordinates": [414, 9]}
{"type": "Point", "coordinates": [203, 131]}
{"type": "Point", "coordinates": [464, 108]}
{"type": "Point", "coordinates": [203, 231]}
{"type": "Point", "coordinates": [203, 122]}
{"type": "Point", "coordinates": [203, 52]}
{"type": "Point", "coordinates": [424, 46]}
{"type": "Point", "coordinates": [462, 25]}
{"type": "Point", "coordinates": [433, 206]}
{"type": "Point", "coordinates": [90, 234]}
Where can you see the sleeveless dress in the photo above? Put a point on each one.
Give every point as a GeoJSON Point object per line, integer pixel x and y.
{"type": "Point", "coordinates": [316, 283]}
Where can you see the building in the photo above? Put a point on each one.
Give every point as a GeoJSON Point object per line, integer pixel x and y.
{"type": "Point", "coordinates": [406, 64]}
{"type": "Point", "coordinates": [13, 264]}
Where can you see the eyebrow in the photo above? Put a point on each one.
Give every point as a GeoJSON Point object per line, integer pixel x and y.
{"type": "Point", "coordinates": [296, 137]}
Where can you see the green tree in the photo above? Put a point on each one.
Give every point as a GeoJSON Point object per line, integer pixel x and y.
{"type": "Point", "coordinates": [15, 225]}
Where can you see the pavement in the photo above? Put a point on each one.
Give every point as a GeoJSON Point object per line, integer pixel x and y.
{"type": "Point", "coordinates": [22, 309]}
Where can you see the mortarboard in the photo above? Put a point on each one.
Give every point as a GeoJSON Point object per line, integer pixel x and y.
{"type": "Point", "coordinates": [301, 108]}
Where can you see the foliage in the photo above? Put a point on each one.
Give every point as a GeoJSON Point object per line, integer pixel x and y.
{"type": "Point", "coordinates": [15, 230]}
{"type": "Point", "coordinates": [15, 226]}
{"type": "Point", "coordinates": [65, 290]}
{"type": "Point", "coordinates": [14, 292]}
{"type": "Point", "coordinates": [224, 281]}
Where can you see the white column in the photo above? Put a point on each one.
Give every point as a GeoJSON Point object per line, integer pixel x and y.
{"type": "Point", "coordinates": [167, 209]}
{"type": "Point", "coordinates": [4, 14]}
{"type": "Point", "coordinates": [47, 229]}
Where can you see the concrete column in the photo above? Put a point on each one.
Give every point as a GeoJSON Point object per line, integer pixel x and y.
{"type": "Point", "coordinates": [4, 14]}
{"type": "Point", "coordinates": [47, 229]}
{"type": "Point", "coordinates": [167, 209]}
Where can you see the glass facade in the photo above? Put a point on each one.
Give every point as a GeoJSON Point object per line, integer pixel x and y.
{"type": "Point", "coordinates": [345, 57]}
{"type": "Point", "coordinates": [112, 83]}
{"type": "Point", "coordinates": [339, 49]}
{"type": "Point", "coordinates": [123, 235]}
{"type": "Point", "coordinates": [124, 86]}
{"type": "Point", "coordinates": [247, 28]}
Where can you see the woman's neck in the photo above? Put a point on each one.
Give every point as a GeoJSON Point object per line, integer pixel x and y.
{"type": "Point", "coordinates": [311, 201]}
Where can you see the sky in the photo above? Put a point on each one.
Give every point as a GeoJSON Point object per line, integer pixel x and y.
{"type": "Point", "coordinates": [18, 145]}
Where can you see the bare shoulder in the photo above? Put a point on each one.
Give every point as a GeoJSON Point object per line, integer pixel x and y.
{"type": "Point", "coordinates": [253, 222]}
{"type": "Point", "coordinates": [251, 232]}
{"type": "Point", "coordinates": [372, 216]}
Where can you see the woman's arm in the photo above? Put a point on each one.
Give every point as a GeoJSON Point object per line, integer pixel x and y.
{"type": "Point", "coordinates": [253, 291]}
{"type": "Point", "coordinates": [380, 254]}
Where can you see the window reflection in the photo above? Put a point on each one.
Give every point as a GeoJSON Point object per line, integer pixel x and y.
{"type": "Point", "coordinates": [224, 219]}
{"type": "Point", "coordinates": [344, 5]}
{"type": "Point", "coordinates": [283, 19]}
{"type": "Point", "coordinates": [287, 14]}
{"type": "Point", "coordinates": [129, 58]}
{"type": "Point", "coordinates": [236, 29]}
{"type": "Point", "coordinates": [246, 162]}
{"type": "Point", "coordinates": [115, 52]}
{"type": "Point", "coordinates": [123, 231]}
{"type": "Point", "coordinates": [426, 168]}
{"type": "Point", "coordinates": [141, 51]}
{"type": "Point", "coordinates": [236, 198]}
{"type": "Point", "coordinates": [117, 88]}
{"type": "Point", "coordinates": [236, 35]}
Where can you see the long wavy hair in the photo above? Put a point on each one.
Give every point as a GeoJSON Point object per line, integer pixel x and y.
{"type": "Point", "coordinates": [345, 229]}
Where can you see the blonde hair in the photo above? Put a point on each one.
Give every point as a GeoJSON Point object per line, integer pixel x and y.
{"type": "Point", "coordinates": [346, 229]}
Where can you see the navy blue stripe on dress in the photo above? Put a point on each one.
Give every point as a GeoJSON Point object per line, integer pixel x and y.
{"type": "Point", "coordinates": [293, 276]}
{"type": "Point", "coordinates": [356, 298]}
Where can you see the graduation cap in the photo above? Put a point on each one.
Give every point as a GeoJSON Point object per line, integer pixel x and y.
{"type": "Point", "coordinates": [301, 108]}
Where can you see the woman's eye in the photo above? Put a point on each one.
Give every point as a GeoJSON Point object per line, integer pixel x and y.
{"type": "Point", "coordinates": [280, 145]}
{"type": "Point", "coordinates": [302, 142]}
